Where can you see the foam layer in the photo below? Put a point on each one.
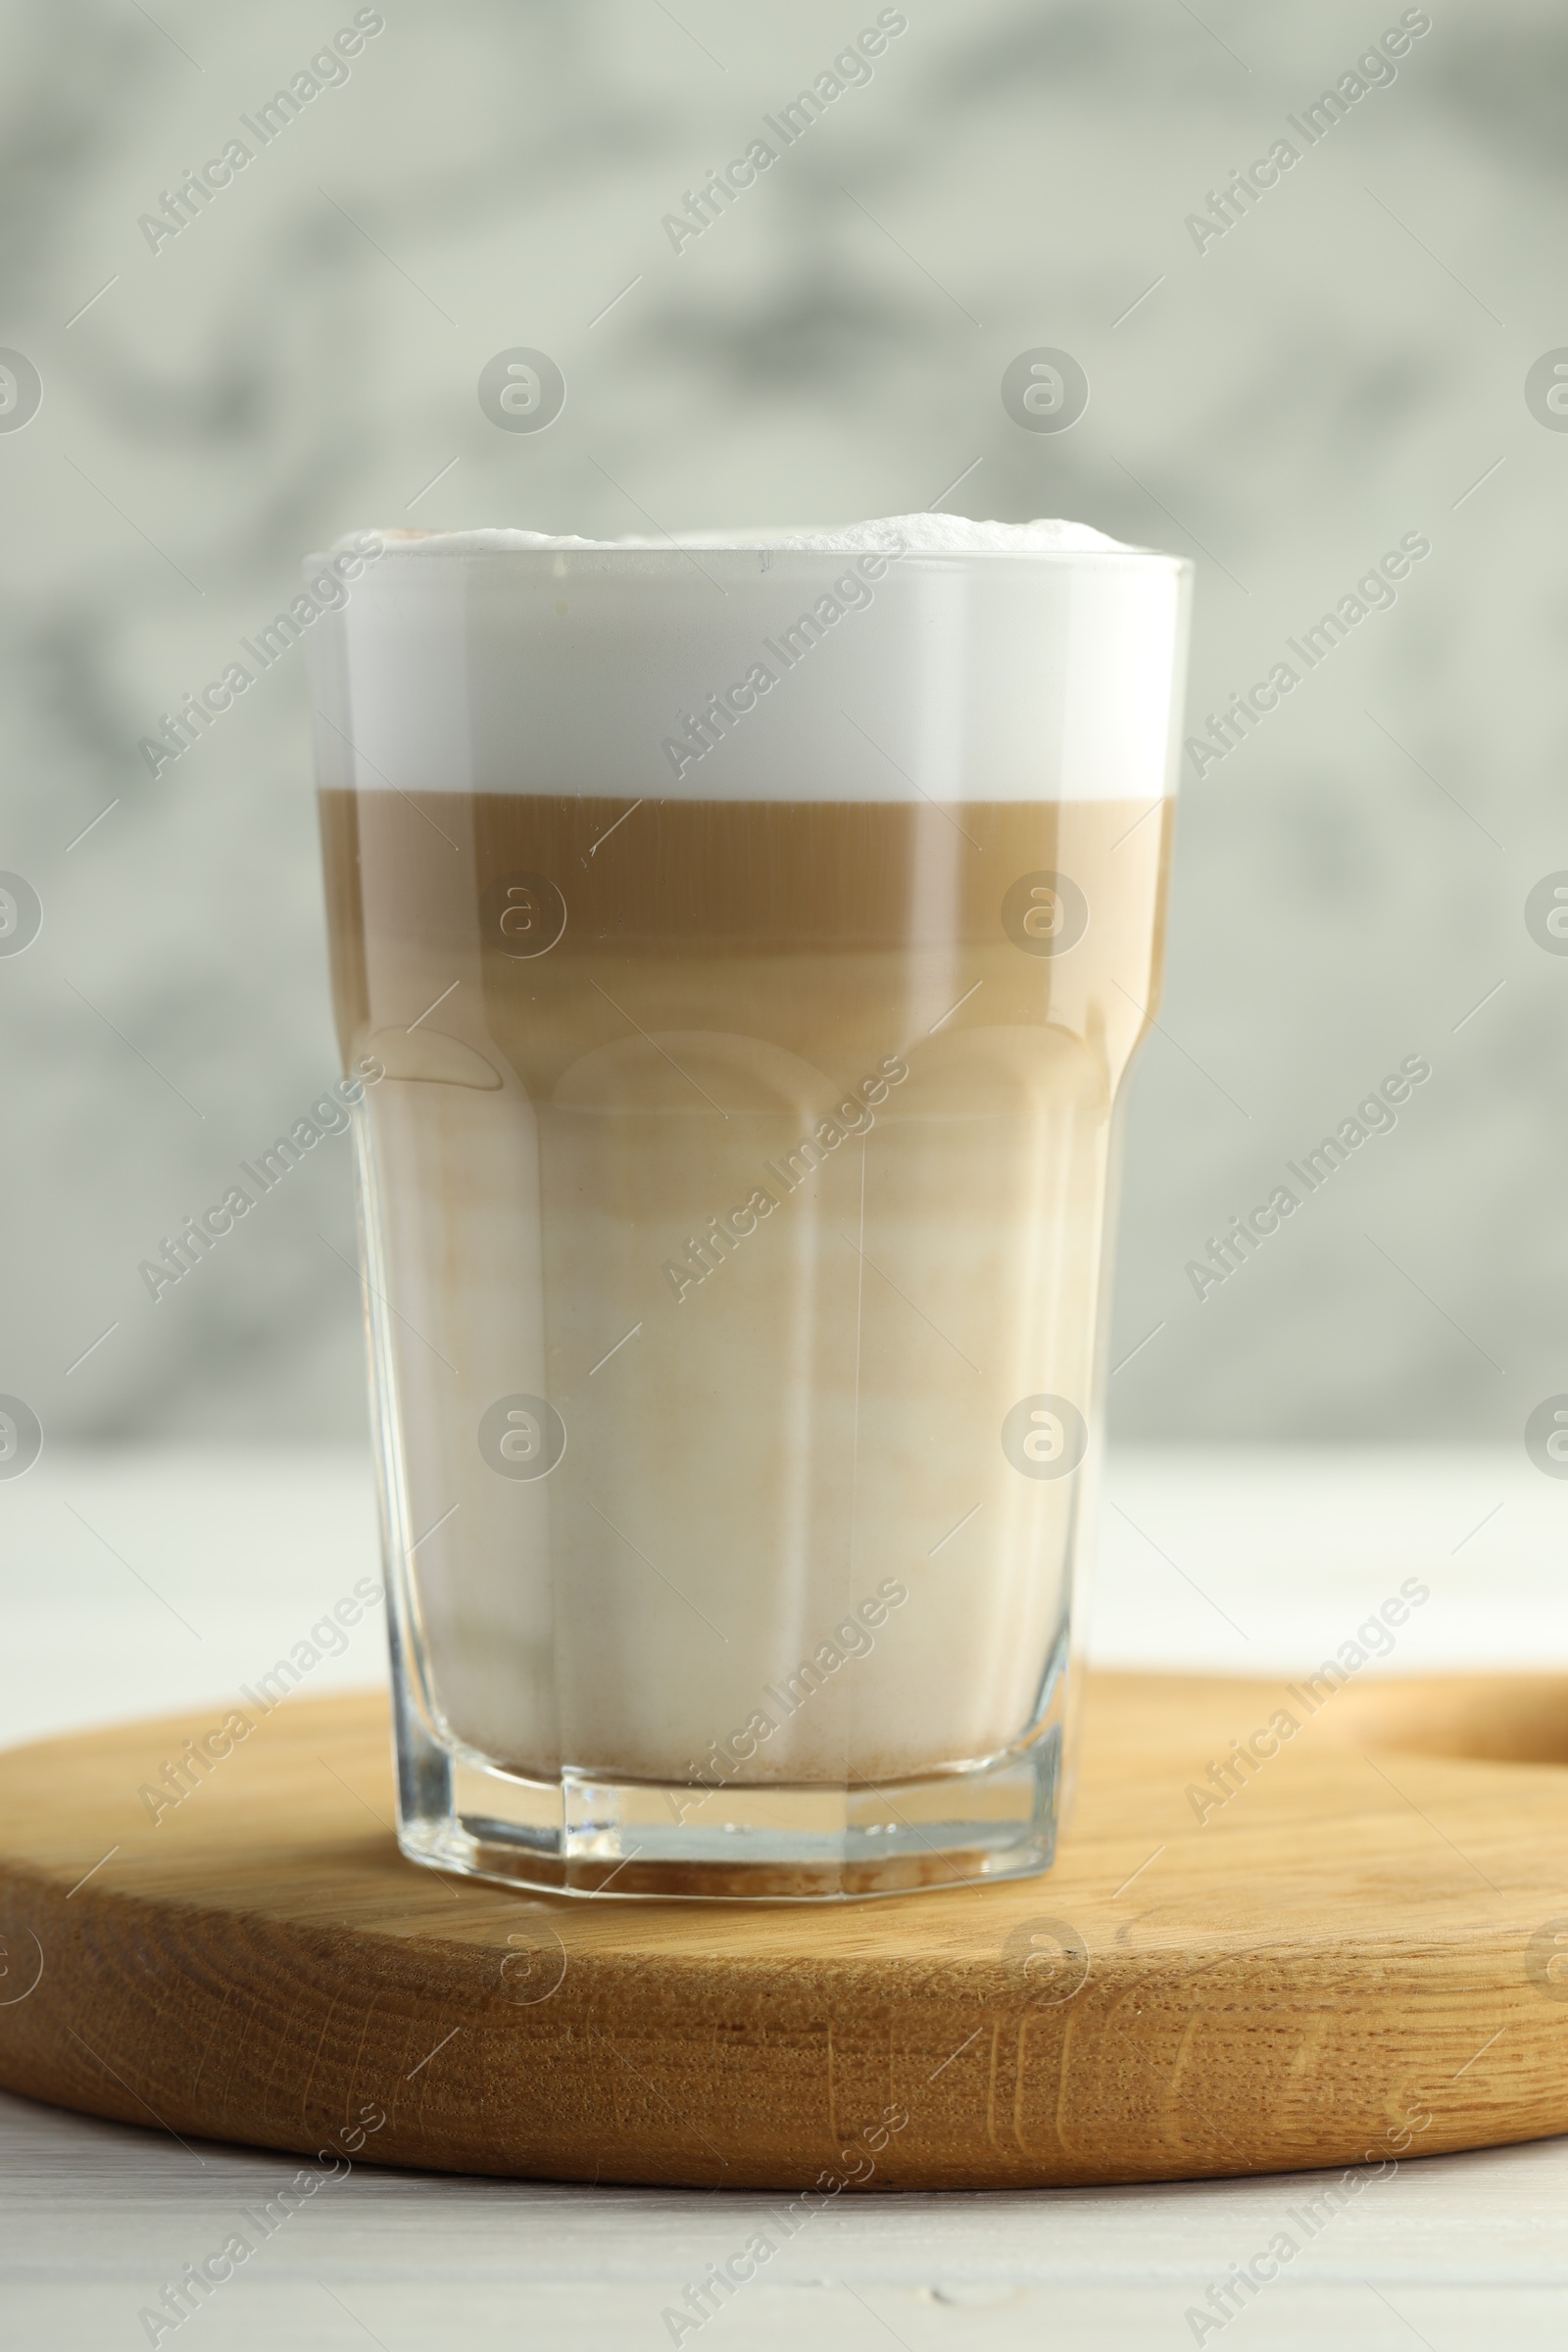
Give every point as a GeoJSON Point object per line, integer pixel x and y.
{"type": "Point", "coordinates": [917, 657]}
{"type": "Point", "coordinates": [921, 534]}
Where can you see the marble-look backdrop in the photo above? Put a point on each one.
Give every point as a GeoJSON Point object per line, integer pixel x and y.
{"type": "Point", "coordinates": [1345, 365]}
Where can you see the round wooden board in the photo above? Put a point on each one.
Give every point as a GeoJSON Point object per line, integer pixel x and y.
{"type": "Point", "coordinates": [1373, 1931]}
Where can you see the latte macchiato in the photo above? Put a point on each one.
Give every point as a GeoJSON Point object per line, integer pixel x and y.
{"type": "Point", "coordinates": [736, 1197]}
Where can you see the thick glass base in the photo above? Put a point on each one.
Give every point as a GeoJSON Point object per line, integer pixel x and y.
{"type": "Point", "coordinates": [585, 1835]}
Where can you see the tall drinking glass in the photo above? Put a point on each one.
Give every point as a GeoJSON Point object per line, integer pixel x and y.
{"type": "Point", "coordinates": [754, 938]}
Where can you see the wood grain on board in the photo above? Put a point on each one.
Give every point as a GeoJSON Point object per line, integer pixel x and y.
{"type": "Point", "coordinates": [1361, 1951]}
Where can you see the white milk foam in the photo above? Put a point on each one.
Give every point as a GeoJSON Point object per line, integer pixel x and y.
{"type": "Point", "coordinates": [923, 655]}
{"type": "Point", "coordinates": [921, 534]}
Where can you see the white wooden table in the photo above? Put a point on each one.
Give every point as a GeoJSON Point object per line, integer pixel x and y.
{"type": "Point", "coordinates": [131, 1585]}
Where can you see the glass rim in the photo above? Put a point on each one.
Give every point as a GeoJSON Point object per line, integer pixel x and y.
{"type": "Point", "coordinates": [633, 557]}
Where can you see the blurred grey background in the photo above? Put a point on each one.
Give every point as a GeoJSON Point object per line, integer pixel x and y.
{"type": "Point", "coordinates": [1346, 364]}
